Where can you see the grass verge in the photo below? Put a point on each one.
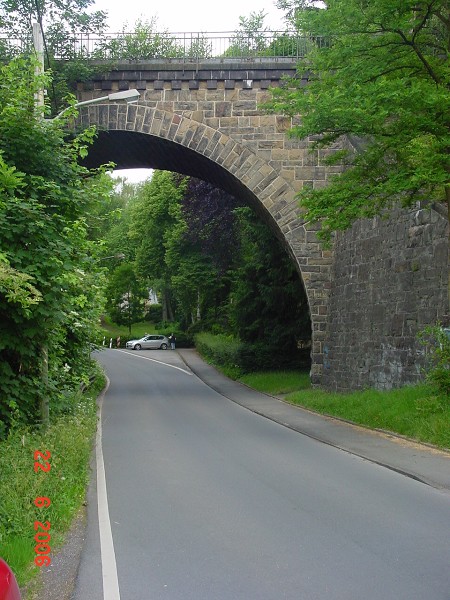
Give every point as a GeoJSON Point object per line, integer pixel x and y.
{"type": "Point", "coordinates": [138, 330]}
{"type": "Point", "coordinates": [277, 382]}
{"type": "Point", "coordinates": [69, 439]}
{"type": "Point", "coordinates": [413, 411]}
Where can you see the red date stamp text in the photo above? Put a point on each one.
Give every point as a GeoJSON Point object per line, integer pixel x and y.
{"type": "Point", "coordinates": [42, 536]}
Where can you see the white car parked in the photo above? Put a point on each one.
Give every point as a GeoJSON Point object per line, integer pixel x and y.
{"type": "Point", "coordinates": [151, 341]}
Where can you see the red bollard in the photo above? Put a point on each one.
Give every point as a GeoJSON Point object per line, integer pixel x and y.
{"type": "Point", "coordinates": [9, 590]}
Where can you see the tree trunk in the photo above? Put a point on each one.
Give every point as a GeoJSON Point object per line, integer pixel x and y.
{"type": "Point", "coordinates": [129, 315]}
{"type": "Point", "coordinates": [198, 305]}
{"type": "Point", "coordinates": [169, 309]}
{"type": "Point", "coordinates": [164, 306]}
{"type": "Point", "coordinates": [38, 42]}
{"type": "Point", "coordinates": [167, 313]}
{"type": "Point", "coordinates": [447, 316]}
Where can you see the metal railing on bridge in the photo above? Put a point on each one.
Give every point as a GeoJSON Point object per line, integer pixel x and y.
{"type": "Point", "coordinates": [194, 46]}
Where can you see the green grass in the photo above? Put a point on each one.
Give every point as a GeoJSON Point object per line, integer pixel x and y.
{"type": "Point", "coordinates": [277, 382]}
{"type": "Point", "coordinates": [138, 330]}
{"type": "Point", "coordinates": [69, 439]}
{"type": "Point", "coordinates": [412, 411]}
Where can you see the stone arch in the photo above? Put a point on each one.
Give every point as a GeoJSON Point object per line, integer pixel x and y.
{"type": "Point", "coordinates": [214, 156]}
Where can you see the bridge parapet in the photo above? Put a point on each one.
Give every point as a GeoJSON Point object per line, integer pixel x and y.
{"type": "Point", "coordinates": [261, 73]}
{"type": "Point", "coordinates": [145, 43]}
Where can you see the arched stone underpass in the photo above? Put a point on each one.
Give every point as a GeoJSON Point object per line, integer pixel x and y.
{"type": "Point", "coordinates": [137, 137]}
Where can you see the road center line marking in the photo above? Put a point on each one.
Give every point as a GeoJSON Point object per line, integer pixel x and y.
{"type": "Point", "coordinates": [108, 557]}
{"type": "Point", "coordinates": [157, 361]}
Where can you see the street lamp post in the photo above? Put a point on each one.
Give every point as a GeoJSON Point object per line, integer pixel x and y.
{"type": "Point", "coordinates": [130, 96]}
{"type": "Point", "coordinates": [44, 406]}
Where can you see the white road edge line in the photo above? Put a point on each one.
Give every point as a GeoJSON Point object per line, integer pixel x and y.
{"type": "Point", "coordinates": [108, 557]}
{"type": "Point", "coordinates": [157, 361]}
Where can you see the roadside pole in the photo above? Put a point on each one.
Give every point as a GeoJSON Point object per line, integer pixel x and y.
{"type": "Point", "coordinates": [38, 42]}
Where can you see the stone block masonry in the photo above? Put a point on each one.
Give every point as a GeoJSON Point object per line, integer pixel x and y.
{"type": "Point", "coordinates": [389, 281]}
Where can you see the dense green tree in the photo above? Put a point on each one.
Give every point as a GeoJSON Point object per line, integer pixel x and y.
{"type": "Point", "coordinates": [109, 222]}
{"type": "Point", "coordinates": [218, 266]}
{"type": "Point", "coordinates": [195, 247]}
{"type": "Point", "coordinates": [193, 281]}
{"type": "Point", "coordinates": [292, 8]}
{"type": "Point", "coordinates": [208, 212]}
{"type": "Point", "coordinates": [156, 212]}
{"type": "Point", "coordinates": [57, 17]}
{"type": "Point", "coordinates": [250, 37]}
{"type": "Point", "coordinates": [268, 303]}
{"type": "Point", "coordinates": [384, 80]}
{"type": "Point", "coordinates": [209, 241]}
{"type": "Point", "coordinates": [49, 296]}
{"type": "Point", "coordinates": [126, 295]}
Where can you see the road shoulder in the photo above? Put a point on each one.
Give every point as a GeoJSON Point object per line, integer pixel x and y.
{"type": "Point", "coordinates": [418, 461]}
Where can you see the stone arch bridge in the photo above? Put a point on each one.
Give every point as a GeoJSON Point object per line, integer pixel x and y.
{"type": "Point", "coordinates": [205, 120]}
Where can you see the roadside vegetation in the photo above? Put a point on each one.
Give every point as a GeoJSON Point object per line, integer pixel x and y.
{"type": "Point", "coordinates": [51, 299]}
{"type": "Point", "coordinates": [70, 440]}
{"type": "Point", "coordinates": [414, 411]}
{"type": "Point", "coordinates": [51, 282]}
{"type": "Point", "coordinates": [420, 412]}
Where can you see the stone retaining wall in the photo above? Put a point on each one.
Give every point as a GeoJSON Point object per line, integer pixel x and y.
{"type": "Point", "coordinates": [389, 281]}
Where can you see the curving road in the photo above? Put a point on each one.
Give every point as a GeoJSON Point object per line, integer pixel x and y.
{"type": "Point", "coordinates": [209, 501]}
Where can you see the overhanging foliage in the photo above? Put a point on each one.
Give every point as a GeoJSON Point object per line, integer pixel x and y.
{"type": "Point", "coordinates": [385, 79]}
{"type": "Point", "coordinates": [50, 298]}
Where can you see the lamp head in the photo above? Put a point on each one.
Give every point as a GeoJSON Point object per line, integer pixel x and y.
{"type": "Point", "coordinates": [128, 95]}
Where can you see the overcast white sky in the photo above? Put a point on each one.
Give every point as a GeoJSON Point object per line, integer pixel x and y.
{"type": "Point", "coordinates": [185, 16]}
{"type": "Point", "coordinates": [189, 15]}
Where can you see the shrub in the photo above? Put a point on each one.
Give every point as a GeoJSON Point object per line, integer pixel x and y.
{"type": "Point", "coordinates": [145, 42]}
{"type": "Point", "coordinates": [261, 356]}
{"type": "Point", "coordinates": [221, 349]}
{"type": "Point", "coordinates": [437, 343]}
{"type": "Point", "coordinates": [228, 351]}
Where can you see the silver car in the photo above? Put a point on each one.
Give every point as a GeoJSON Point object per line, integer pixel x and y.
{"type": "Point", "coordinates": [149, 341]}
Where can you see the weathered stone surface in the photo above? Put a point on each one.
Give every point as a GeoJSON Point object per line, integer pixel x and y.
{"type": "Point", "coordinates": [384, 291]}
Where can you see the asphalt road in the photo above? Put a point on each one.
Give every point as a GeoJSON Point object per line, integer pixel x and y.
{"type": "Point", "coordinates": [209, 501]}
